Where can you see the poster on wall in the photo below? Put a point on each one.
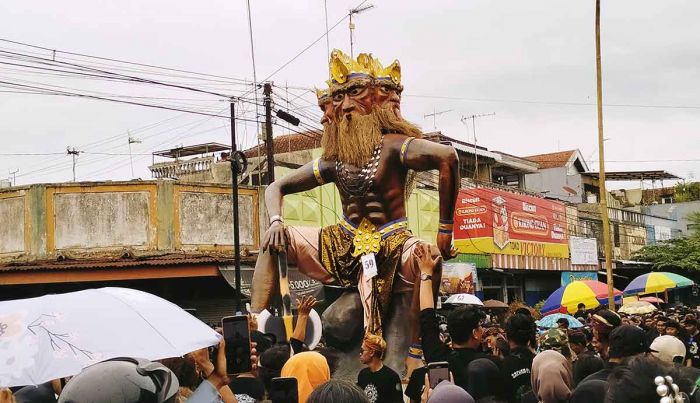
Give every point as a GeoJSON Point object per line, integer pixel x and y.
{"type": "Point", "coordinates": [458, 278]}
{"type": "Point", "coordinates": [568, 276]}
{"type": "Point", "coordinates": [583, 250]}
{"type": "Point", "coordinates": [493, 221]}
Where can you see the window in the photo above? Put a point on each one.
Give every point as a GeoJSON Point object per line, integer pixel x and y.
{"type": "Point", "coordinates": [616, 234]}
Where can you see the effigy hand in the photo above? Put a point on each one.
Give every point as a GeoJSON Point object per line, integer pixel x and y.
{"type": "Point", "coordinates": [275, 238]}
{"type": "Point", "coordinates": [444, 243]}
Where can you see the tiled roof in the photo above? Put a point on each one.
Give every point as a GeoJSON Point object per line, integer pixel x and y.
{"type": "Point", "coordinates": [551, 160]}
{"type": "Point", "coordinates": [288, 143]}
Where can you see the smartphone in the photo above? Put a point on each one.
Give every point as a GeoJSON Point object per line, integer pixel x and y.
{"type": "Point", "coordinates": [192, 311]}
{"type": "Point", "coordinates": [284, 390]}
{"type": "Point", "coordinates": [438, 372]}
{"type": "Point", "coordinates": [237, 338]}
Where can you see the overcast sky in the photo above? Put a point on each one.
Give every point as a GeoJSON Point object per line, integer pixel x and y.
{"type": "Point", "coordinates": [532, 63]}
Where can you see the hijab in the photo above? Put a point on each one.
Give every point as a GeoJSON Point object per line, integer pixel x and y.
{"type": "Point", "coordinates": [551, 377]}
{"type": "Point", "coordinates": [448, 392]}
{"type": "Point", "coordinates": [311, 370]}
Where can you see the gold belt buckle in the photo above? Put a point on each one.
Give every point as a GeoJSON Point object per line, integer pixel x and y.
{"type": "Point", "coordinates": [367, 239]}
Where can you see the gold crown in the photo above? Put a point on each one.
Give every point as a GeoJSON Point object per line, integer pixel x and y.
{"type": "Point", "coordinates": [391, 72]}
{"type": "Point", "coordinates": [323, 93]}
{"type": "Point", "coordinates": [343, 66]}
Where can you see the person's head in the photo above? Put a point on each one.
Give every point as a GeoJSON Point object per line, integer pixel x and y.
{"type": "Point", "coordinates": [311, 370]}
{"type": "Point", "coordinates": [483, 378]}
{"type": "Point", "coordinates": [578, 342]}
{"type": "Point", "coordinates": [502, 347]}
{"type": "Point", "coordinates": [673, 328]}
{"type": "Point", "coordinates": [464, 325]}
{"type": "Point", "coordinates": [131, 380]}
{"type": "Point", "coordinates": [448, 392]}
{"type": "Point", "coordinates": [365, 98]}
{"type": "Point", "coordinates": [626, 341]}
{"type": "Point", "coordinates": [691, 325]}
{"type": "Point", "coordinates": [557, 340]}
{"type": "Point", "coordinates": [581, 307]}
{"type": "Point", "coordinates": [520, 329]}
{"type": "Point", "coordinates": [337, 391]}
{"type": "Point", "coordinates": [668, 349]}
{"type": "Point", "coordinates": [372, 349]}
{"type": "Point", "coordinates": [271, 362]}
{"type": "Point", "coordinates": [184, 369]}
{"type": "Point", "coordinates": [587, 365]}
{"type": "Point", "coordinates": [649, 322]}
{"type": "Point", "coordinates": [563, 323]}
{"type": "Point", "coordinates": [635, 381]}
{"type": "Point", "coordinates": [661, 325]}
{"type": "Point", "coordinates": [551, 377]}
{"type": "Point", "coordinates": [603, 322]}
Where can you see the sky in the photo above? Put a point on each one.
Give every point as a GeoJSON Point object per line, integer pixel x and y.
{"type": "Point", "coordinates": [532, 64]}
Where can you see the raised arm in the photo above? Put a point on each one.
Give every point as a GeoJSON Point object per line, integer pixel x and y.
{"type": "Point", "coordinates": [425, 155]}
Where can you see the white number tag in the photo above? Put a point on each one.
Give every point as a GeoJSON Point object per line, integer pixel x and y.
{"type": "Point", "coordinates": [369, 266]}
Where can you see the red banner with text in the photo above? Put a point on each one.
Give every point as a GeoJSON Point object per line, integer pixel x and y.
{"type": "Point", "coordinates": [496, 221]}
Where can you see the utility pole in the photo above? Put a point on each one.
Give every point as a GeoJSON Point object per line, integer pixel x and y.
{"type": "Point", "coordinates": [434, 115]}
{"type": "Point", "coordinates": [353, 11]}
{"type": "Point", "coordinates": [131, 159]}
{"type": "Point", "coordinates": [235, 170]}
{"type": "Point", "coordinates": [14, 177]}
{"type": "Point", "coordinates": [607, 247]}
{"type": "Point", "coordinates": [473, 118]}
{"type": "Point", "coordinates": [73, 153]}
{"type": "Point", "coordinates": [270, 149]}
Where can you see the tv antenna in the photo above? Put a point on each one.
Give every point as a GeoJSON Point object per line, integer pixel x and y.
{"type": "Point", "coordinates": [356, 10]}
{"type": "Point", "coordinates": [131, 141]}
{"type": "Point", "coordinates": [434, 115]}
{"type": "Point", "coordinates": [473, 118]}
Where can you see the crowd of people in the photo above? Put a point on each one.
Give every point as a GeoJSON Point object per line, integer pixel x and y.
{"type": "Point", "coordinates": [605, 357]}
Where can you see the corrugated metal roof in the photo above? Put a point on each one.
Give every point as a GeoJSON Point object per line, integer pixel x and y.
{"type": "Point", "coordinates": [107, 263]}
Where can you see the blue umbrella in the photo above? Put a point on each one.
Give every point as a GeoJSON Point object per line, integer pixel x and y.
{"type": "Point", "coordinates": [550, 321]}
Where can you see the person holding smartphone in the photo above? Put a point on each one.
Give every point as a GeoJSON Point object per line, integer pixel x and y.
{"type": "Point", "coordinates": [380, 383]}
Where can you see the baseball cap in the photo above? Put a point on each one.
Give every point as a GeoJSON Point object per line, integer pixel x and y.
{"type": "Point", "coordinates": [627, 340]}
{"type": "Point", "coordinates": [668, 348]}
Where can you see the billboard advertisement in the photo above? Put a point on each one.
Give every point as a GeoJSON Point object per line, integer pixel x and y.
{"type": "Point", "coordinates": [498, 222]}
{"type": "Point", "coordinates": [568, 276]}
{"type": "Point", "coordinates": [458, 278]}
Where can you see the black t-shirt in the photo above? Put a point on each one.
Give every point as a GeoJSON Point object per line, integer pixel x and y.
{"type": "Point", "coordinates": [382, 386]}
{"type": "Point", "coordinates": [416, 383]}
{"type": "Point", "coordinates": [247, 390]}
{"type": "Point", "coordinates": [580, 314]}
{"type": "Point", "coordinates": [515, 370]}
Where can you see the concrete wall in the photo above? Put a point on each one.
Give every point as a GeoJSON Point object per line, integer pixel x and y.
{"type": "Point", "coordinates": [206, 218]}
{"type": "Point", "coordinates": [12, 217]}
{"type": "Point", "coordinates": [553, 181]}
{"type": "Point", "coordinates": [123, 220]}
{"type": "Point", "coordinates": [105, 219]}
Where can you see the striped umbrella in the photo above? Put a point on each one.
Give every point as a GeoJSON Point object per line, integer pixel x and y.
{"type": "Point", "coordinates": [589, 292]}
{"type": "Point", "coordinates": [655, 282]}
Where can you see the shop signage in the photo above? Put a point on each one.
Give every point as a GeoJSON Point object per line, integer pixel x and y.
{"type": "Point", "coordinates": [583, 250]}
{"type": "Point", "coordinates": [498, 222]}
{"type": "Point", "coordinates": [568, 276]}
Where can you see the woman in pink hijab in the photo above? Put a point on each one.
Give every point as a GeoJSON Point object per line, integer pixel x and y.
{"type": "Point", "coordinates": [551, 377]}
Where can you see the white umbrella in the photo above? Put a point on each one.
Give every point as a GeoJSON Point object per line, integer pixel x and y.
{"type": "Point", "coordinates": [464, 299]}
{"type": "Point", "coordinates": [55, 336]}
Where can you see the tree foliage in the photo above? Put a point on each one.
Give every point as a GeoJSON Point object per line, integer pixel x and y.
{"type": "Point", "coordinates": [682, 253]}
{"type": "Point", "coordinates": [685, 192]}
